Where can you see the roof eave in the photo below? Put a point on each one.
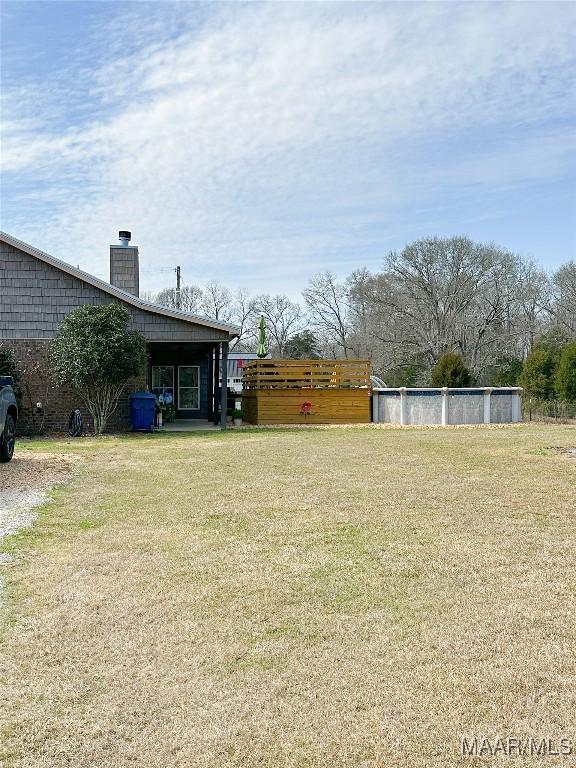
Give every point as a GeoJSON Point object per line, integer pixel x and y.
{"type": "Point", "coordinates": [135, 301]}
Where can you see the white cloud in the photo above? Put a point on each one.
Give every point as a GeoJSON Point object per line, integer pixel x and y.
{"type": "Point", "coordinates": [265, 141]}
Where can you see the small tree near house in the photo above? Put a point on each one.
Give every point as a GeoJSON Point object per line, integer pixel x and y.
{"type": "Point", "coordinates": [96, 354]}
{"type": "Point", "coordinates": [450, 371]}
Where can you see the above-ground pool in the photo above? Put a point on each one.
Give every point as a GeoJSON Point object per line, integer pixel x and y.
{"type": "Point", "coordinates": [446, 405]}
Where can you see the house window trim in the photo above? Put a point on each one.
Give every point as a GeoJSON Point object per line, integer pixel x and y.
{"type": "Point", "coordinates": [198, 387]}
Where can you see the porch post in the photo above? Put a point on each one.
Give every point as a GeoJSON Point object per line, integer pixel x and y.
{"type": "Point", "coordinates": [224, 386]}
{"type": "Point", "coordinates": [216, 382]}
{"type": "Point", "coordinates": [211, 384]}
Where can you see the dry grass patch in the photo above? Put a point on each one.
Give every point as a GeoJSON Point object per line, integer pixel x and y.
{"type": "Point", "coordinates": [36, 470]}
{"type": "Point", "coordinates": [298, 598]}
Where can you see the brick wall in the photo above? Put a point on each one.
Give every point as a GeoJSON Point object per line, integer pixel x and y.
{"type": "Point", "coordinates": [57, 402]}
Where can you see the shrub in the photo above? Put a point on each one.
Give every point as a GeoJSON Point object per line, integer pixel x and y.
{"type": "Point", "coordinates": [94, 353]}
{"type": "Point", "coordinates": [168, 412]}
{"type": "Point", "coordinates": [565, 377]}
{"type": "Point", "coordinates": [450, 371]}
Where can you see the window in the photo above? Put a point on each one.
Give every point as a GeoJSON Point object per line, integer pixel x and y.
{"type": "Point", "coordinates": [188, 387]}
{"type": "Point", "coordinates": [163, 383]}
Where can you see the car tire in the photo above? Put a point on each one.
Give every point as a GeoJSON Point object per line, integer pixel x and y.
{"type": "Point", "coordinates": [8, 439]}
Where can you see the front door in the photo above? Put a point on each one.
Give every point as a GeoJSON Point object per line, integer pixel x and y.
{"type": "Point", "coordinates": [188, 391]}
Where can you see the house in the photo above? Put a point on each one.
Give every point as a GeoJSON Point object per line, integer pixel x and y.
{"type": "Point", "coordinates": [186, 352]}
{"type": "Point", "coordinates": [236, 361]}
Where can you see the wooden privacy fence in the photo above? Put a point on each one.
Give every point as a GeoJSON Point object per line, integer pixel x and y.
{"type": "Point", "coordinates": [306, 391]}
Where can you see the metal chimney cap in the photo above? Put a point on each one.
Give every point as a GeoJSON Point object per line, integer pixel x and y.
{"type": "Point", "coordinates": [125, 235]}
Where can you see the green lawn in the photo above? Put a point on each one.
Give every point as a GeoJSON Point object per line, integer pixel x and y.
{"type": "Point", "coordinates": [326, 597]}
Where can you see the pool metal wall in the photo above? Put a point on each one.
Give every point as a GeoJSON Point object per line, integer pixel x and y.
{"type": "Point", "coordinates": [447, 405]}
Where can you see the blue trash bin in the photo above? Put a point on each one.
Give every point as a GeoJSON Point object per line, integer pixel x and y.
{"type": "Point", "coordinates": [142, 411]}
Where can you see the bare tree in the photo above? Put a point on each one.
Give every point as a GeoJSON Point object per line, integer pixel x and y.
{"type": "Point", "coordinates": [529, 319]}
{"type": "Point", "coordinates": [244, 315]}
{"type": "Point", "coordinates": [328, 303]}
{"type": "Point", "coordinates": [217, 301]}
{"type": "Point", "coordinates": [390, 339]}
{"type": "Point", "coordinates": [190, 298]}
{"type": "Point", "coordinates": [450, 294]}
{"type": "Point", "coordinates": [361, 338]}
{"type": "Point", "coordinates": [563, 304]}
{"type": "Point", "coordinates": [283, 318]}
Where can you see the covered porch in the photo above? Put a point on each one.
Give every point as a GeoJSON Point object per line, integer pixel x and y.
{"type": "Point", "coordinates": [186, 376]}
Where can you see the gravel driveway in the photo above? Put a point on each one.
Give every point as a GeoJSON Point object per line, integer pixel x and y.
{"type": "Point", "coordinates": [17, 510]}
{"type": "Point", "coordinates": [23, 485]}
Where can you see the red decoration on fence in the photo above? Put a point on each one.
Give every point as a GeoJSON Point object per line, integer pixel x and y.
{"type": "Point", "coordinates": [306, 408]}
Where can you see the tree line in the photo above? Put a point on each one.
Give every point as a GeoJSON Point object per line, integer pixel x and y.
{"type": "Point", "coordinates": [442, 312]}
{"type": "Point", "coordinates": [487, 305]}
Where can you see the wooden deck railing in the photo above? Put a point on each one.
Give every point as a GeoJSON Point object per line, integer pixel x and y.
{"type": "Point", "coordinates": [305, 374]}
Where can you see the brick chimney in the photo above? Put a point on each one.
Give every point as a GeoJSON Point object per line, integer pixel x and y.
{"type": "Point", "coordinates": [124, 270]}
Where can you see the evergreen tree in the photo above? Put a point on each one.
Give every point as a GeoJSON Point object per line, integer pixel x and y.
{"type": "Point", "coordinates": [302, 346]}
{"type": "Point", "coordinates": [565, 378]}
{"type": "Point", "coordinates": [507, 373]}
{"type": "Point", "coordinates": [538, 372]}
{"type": "Point", "coordinates": [450, 371]}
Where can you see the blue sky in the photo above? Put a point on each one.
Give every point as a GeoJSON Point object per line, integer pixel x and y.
{"type": "Point", "coordinates": [260, 143]}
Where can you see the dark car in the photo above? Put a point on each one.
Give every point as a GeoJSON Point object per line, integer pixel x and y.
{"type": "Point", "coordinates": [8, 418]}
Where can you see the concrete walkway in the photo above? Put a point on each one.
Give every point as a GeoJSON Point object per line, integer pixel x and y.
{"type": "Point", "coordinates": [190, 425]}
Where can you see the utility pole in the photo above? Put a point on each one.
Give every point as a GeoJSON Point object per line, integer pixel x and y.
{"type": "Point", "coordinates": [177, 270]}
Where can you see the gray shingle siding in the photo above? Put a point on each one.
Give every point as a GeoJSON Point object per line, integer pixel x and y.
{"type": "Point", "coordinates": [124, 268]}
{"type": "Point", "coordinates": [35, 297]}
